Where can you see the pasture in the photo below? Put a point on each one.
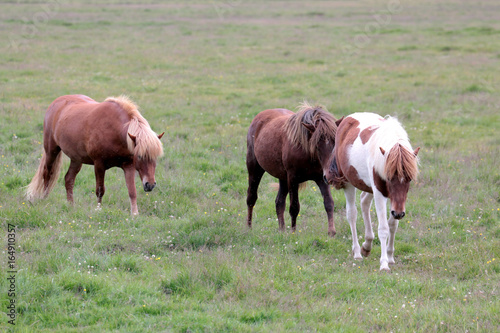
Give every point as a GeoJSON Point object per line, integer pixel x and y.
{"type": "Point", "coordinates": [200, 71]}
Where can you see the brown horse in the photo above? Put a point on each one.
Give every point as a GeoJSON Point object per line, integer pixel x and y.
{"type": "Point", "coordinates": [293, 147]}
{"type": "Point", "coordinates": [108, 134]}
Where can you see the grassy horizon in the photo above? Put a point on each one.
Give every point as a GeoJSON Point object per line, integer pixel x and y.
{"type": "Point", "coordinates": [201, 72]}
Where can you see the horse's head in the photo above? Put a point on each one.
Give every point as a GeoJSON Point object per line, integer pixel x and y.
{"type": "Point", "coordinates": [398, 183]}
{"type": "Point", "coordinates": [325, 150]}
{"type": "Point", "coordinates": [398, 191]}
{"type": "Point", "coordinates": [313, 129]}
{"type": "Point", "coordinates": [146, 168]}
{"type": "Point", "coordinates": [323, 142]}
{"type": "Point", "coordinates": [145, 164]}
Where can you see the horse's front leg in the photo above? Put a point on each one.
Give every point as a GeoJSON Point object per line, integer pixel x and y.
{"type": "Point", "coordinates": [129, 171]}
{"type": "Point", "coordinates": [366, 203]}
{"type": "Point", "coordinates": [393, 227]}
{"type": "Point", "coordinates": [100, 172]}
{"type": "Point", "coordinates": [352, 214]}
{"type": "Point", "coordinates": [294, 210]}
{"type": "Point", "coordinates": [329, 205]}
{"type": "Point", "coordinates": [383, 228]}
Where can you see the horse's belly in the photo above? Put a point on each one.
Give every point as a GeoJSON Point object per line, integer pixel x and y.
{"type": "Point", "coordinates": [81, 158]}
{"type": "Point", "coordinates": [358, 171]}
{"type": "Point", "coordinates": [269, 158]}
{"type": "Point", "coordinates": [71, 140]}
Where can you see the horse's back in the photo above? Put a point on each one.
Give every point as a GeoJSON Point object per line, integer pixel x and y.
{"type": "Point", "coordinates": [359, 139]}
{"type": "Point", "coordinates": [60, 103]}
{"type": "Point", "coordinates": [358, 129]}
{"type": "Point", "coordinates": [267, 118]}
{"type": "Point", "coordinates": [265, 140]}
{"type": "Point", "coordinates": [352, 151]}
{"type": "Point", "coordinates": [58, 108]}
{"type": "Point", "coordinates": [268, 123]}
{"type": "Point", "coordinates": [366, 119]}
{"type": "Point", "coordinates": [77, 124]}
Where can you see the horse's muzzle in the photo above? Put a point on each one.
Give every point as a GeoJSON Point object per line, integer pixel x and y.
{"type": "Point", "coordinates": [398, 216]}
{"type": "Point", "coordinates": [148, 187]}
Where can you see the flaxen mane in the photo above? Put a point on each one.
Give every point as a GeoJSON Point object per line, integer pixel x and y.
{"type": "Point", "coordinates": [147, 145]}
{"type": "Point", "coordinates": [317, 116]}
{"type": "Point", "coordinates": [401, 163]}
{"type": "Point", "coordinates": [399, 160]}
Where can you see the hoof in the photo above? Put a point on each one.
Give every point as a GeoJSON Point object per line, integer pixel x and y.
{"type": "Point", "coordinates": [357, 256]}
{"type": "Point", "coordinates": [332, 233]}
{"type": "Point", "coordinates": [365, 252]}
{"type": "Point", "coordinates": [385, 269]}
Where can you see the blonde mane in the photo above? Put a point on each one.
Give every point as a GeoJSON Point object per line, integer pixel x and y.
{"type": "Point", "coordinates": [401, 163]}
{"type": "Point", "coordinates": [399, 160]}
{"type": "Point", "coordinates": [147, 144]}
{"type": "Point", "coordinates": [316, 116]}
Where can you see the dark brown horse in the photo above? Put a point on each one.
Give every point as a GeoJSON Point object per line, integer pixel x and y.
{"type": "Point", "coordinates": [293, 147]}
{"type": "Point", "coordinates": [108, 134]}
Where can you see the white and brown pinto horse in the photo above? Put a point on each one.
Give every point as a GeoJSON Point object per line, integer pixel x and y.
{"type": "Point", "coordinates": [373, 154]}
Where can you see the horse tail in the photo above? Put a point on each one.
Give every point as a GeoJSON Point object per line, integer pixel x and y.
{"type": "Point", "coordinates": [37, 189]}
{"type": "Point", "coordinates": [276, 186]}
{"type": "Point", "coordinates": [338, 179]}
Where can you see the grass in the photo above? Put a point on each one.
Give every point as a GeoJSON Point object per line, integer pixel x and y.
{"type": "Point", "coordinates": [201, 72]}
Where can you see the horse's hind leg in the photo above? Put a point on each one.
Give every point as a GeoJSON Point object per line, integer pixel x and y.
{"type": "Point", "coordinates": [329, 205]}
{"type": "Point", "coordinates": [69, 179]}
{"type": "Point", "coordinates": [255, 173]}
{"type": "Point", "coordinates": [366, 203]}
{"type": "Point", "coordinates": [281, 204]}
{"type": "Point", "coordinates": [52, 167]}
{"type": "Point", "coordinates": [352, 214]}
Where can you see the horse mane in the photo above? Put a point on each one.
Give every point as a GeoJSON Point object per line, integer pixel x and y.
{"type": "Point", "coordinates": [146, 145]}
{"type": "Point", "coordinates": [399, 160]}
{"type": "Point", "coordinates": [401, 163]}
{"type": "Point", "coordinates": [316, 116]}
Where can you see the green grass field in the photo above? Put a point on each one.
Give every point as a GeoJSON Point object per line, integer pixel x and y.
{"type": "Point", "coordinates": [200, 71]}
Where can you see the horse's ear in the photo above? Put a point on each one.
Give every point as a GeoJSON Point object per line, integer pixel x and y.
{"type": "Point", "coordinates": [161, 135]}
{"type": "Point", "coordinates": [416, 151]}
{"type": "Point", "coordinates": [309, 127]}
{"type": "Point", "coordinates": [338, 121]}
{"type": "Point", "coordinates": [382, 150]}
{"type": "Point", "coordinates": [133, 137]}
